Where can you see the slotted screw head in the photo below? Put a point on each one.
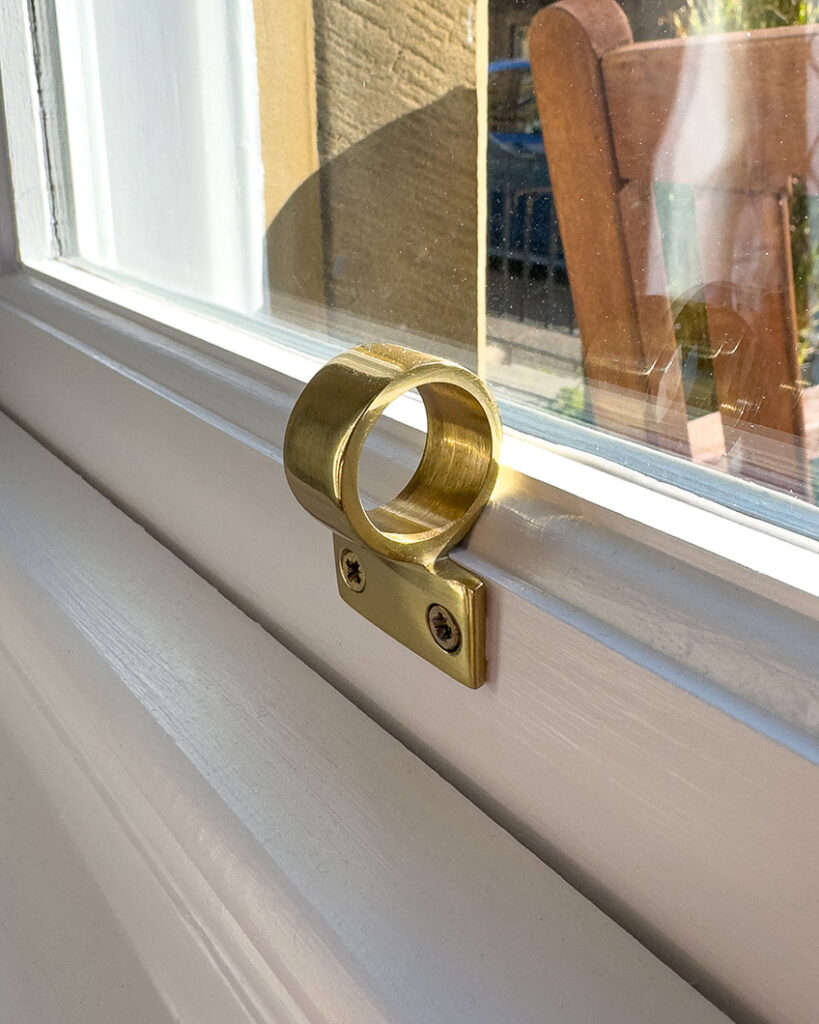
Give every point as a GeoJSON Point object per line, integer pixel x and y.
{"type": "Point", "coordinates": [444, 628]}
{"type": "Point", "coordinates": [352, 571]}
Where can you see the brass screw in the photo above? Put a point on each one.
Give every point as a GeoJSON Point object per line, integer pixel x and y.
{"type": "Point", "coordinates": [444, 628]}
{"type": "Point", "coordinates": [352, 571]}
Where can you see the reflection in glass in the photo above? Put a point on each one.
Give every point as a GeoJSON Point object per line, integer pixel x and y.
{"type": "Point", "coordinates": [682, 171]}
{"type": "Point", "coordinates": [612, 214]}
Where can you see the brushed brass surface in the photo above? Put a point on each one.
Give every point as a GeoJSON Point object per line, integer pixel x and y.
{"type": "Point", "coordinates": [391, 562]}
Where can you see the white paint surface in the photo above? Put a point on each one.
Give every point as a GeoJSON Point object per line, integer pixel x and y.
{"type": "Point", "coordinates": [162, 132]}
{"type": "Point", "coordinates": [264, 850]}
{"type": "Point", "coordinates": [614, 735]}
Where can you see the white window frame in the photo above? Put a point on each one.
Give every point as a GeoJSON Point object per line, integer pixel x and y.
{"type": "Point", "coordinates": [197, 827]}
{"type": "Point", "coordinates": [648, 726]}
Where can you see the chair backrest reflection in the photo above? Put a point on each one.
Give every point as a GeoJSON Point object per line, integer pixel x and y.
{"type": "Point", "coordinates": [731, 121]}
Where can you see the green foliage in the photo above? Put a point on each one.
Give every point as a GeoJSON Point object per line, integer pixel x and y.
{"type": "Point", "coordinates": [698, 16]}
{"type": "Point", "coordinates": [691, 330]}
{"type": "Point", "coordinates": [805, 256]}
{"type": "Point", "coordinates": [570, 401]}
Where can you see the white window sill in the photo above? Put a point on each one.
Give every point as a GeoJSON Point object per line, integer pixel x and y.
{"type": "Point", "coordinates": [263, 849]}
{"type": "Point", "coordinates": [651, 718]}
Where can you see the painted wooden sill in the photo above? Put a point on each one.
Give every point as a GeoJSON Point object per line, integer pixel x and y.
{"type": "Point", "coordinates": [266, 850]}
{"type": "Point", "coordinates": [638, 730]}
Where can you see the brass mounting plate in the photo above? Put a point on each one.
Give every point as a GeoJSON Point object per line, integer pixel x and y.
{"type": "Point", "coordinates": [399, 575]}
{"type": "Point", "coordinates": [397, 597]}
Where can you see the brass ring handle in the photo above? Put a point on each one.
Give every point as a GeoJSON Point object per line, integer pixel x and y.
{"type": "Point", "coordinates": [391, 562]}
{"type": "Point", "coordinates": [328, 429]}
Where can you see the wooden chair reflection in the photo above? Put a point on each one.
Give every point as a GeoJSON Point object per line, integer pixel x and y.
{"type": "Point", "coordinates": [735, 118]}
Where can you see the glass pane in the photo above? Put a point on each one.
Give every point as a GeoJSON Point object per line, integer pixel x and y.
{"type": "Point", "coordinates": [611, 215]}
{"type": "Point", "coordinates": [285, 159]}
{"type": "Point", "coordinates": [671, 298]}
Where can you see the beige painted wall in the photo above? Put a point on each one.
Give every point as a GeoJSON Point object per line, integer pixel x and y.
{"type": "Point", "coordinates": [379, 60]}
{"type": "Point", "coordinates": [286, 68]}
{"type": "Point", "coordinates": [285, 56]}
{"type": "Point", "coordinates": [372, 164]}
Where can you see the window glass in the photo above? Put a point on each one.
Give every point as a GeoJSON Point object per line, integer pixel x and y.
{"type": "Point", "coordinates": [607, 210]}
